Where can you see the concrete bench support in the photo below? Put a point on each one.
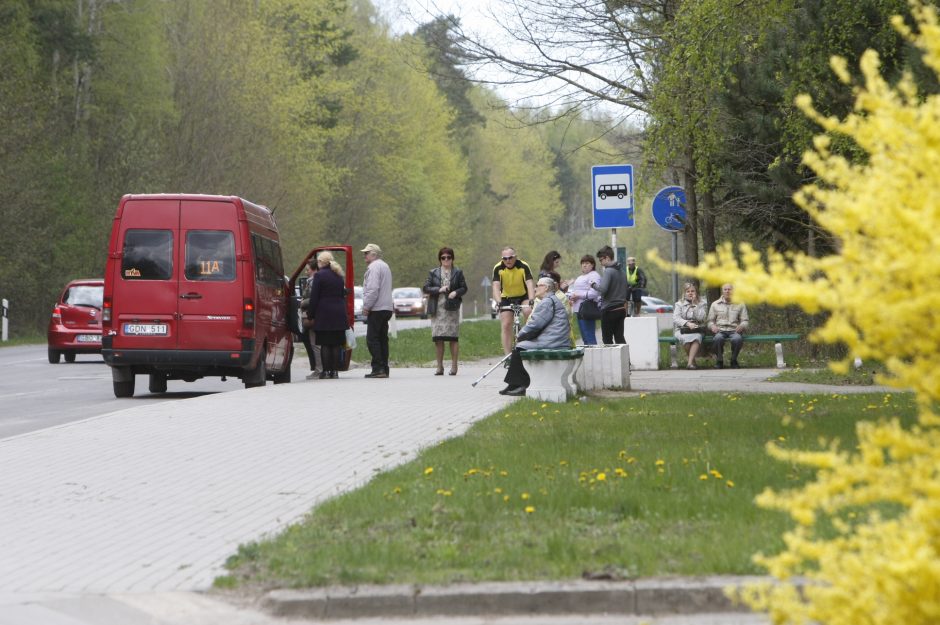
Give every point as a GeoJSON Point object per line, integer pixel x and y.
{"type": "Point", "coordinates": [552, 373]}
{"type": "Point", "coordinates": [641, 333]}
{"type": "Point", "coordinates": [604, 367]}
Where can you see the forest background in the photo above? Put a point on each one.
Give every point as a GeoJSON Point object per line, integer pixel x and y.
{"type": "Point", "coordinates": [352, 134]}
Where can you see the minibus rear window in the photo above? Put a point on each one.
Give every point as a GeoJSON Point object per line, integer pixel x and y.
{"type": "Point", "coordinates": [148, 255]}
{"type": "Point", "coordinates": [210, 255]}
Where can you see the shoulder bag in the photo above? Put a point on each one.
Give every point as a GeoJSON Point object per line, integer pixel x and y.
{"type": "Point", "coordinates": [589, 310]}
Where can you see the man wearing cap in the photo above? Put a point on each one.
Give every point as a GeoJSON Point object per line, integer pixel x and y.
{"type": "Point", "coordinates": [512, 284]}
{"type": "Point", "coordinates": [636, 283]}
{"type": "Point", "coordinates": [547, 328]}
{"type": "Point", "coordinates": [377, 305]}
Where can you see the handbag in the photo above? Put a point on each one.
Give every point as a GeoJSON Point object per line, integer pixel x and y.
{"type": "Point", "coordinates": [589, 310]}
{"type": "Point", "coordinates": [350, 338]}
{"type": "Point", "coordinates": [688, 330]}
{"type": "Point", "coordinates": [452, 304]}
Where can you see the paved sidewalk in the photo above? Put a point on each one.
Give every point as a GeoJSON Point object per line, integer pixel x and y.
{"type": "Point", "coordinates": [125, 518]}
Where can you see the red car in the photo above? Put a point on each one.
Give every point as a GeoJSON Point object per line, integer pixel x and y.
{"type": "Point", "coordinates": [75, 326]}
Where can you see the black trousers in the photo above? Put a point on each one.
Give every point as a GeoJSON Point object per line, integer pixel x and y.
{"type": "Point", "coordinates": [612, 326]}
{"type": "Point", "coordinates": [516, 375]}
{"type": "Point", "coordinates": [377, 338]}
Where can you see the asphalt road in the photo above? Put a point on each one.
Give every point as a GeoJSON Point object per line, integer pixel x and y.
{"type": "Point", "coordinates": [35, 394]}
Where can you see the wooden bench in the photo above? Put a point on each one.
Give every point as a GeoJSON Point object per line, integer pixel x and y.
{"type": "Point", "coordinates": [551, 372]}
{"type": "Point", "coordinates": [776, 339]}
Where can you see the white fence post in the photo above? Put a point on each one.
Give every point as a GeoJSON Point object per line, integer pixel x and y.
{"type": "Point", "coordinates": [5, 333]}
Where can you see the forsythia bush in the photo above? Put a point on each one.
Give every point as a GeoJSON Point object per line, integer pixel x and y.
{"type": "Point", "coordinates": [867, 541]}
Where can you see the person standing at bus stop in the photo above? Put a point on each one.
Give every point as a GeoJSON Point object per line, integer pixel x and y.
{"type": "Point", "coordinates": [377, 305]}
{"type": "Point", "coordinates": [512, 284]}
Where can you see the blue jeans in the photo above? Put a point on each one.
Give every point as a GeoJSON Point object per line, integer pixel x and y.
{"type": "Point", "coordinates": [588, 330]}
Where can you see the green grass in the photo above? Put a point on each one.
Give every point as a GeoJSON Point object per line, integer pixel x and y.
{"type": "Point", "coordinates": [458, 512]}
{"type": "Point", "coordinates": [26, 339]}
{"type": "Point", "coordinates": [863, 376]}
{"type": "Point", "coordinates": [478, 339]}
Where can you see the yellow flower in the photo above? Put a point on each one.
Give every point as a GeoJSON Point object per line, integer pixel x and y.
{"type": "Point", "coordinates": [703, 477]}
{"type": "Point", "coordinates": [429, 471]}
{"type": "Point", "coordinates": [497, 490]}
{"type": "Point", "coordinates": [660, 462]}
{"type": "Point", "coordinates": [729, 484]}
{"type": "Point", "coordinates": [524, 495]}
{"type": "Point", "coordinates": [716, 474]}
{"type": "Point", "coordinates": [505, 498]}
{"type": "Point", "coordinates": [601, 477]}
{"type": "Point", "coordinates": [529, 509]}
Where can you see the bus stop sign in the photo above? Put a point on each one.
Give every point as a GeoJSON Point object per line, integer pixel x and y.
{"type": "Point", "coordinates": [612, 196]}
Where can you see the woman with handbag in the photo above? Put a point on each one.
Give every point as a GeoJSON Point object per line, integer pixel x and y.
{"type": "Point", "coordinates": [688, 321]}
{"type": "Point", "coordinates": [327, 310]}
{"type": "Point", "coordinates": [445, 288]}
{"type": "Point", "coordinates": [586, 300]}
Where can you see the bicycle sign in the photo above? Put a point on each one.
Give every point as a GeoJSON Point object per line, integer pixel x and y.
{"type": "Point", "coordinates": [669, 209]}
{"type": "Point", "coordinates": [612, 196]}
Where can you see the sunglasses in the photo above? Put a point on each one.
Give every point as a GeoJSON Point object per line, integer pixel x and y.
{"type": "Point", "coordinates": [445, 257]}
{"type": "Point", "coordinates": [508, 257]}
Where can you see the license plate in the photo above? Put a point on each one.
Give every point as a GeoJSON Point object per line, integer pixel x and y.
{"type": "Point", "coordinates": [88, 338]}
{"type": "Point", "coordinates": [145, 329]}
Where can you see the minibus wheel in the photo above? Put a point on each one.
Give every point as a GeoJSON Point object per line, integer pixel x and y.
{"type": "Point", "coordinates": [257, 376]}
{"type": "Point", "coordinates": [157, 383]}
{"type": "Point", "coordinates": [123, 379]}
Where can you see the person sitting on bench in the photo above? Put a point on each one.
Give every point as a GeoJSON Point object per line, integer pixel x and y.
{"type": "Point", "coordinates": [727, 321]}
{"type": "Point", "coordinates": [547, 328]}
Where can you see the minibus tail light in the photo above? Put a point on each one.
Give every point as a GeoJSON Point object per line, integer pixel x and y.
{"type": "Point", "coordinates": [248, 318]}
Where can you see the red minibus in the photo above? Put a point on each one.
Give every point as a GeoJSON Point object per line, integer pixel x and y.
{"type": "Point", "coordinates": [195, 286]}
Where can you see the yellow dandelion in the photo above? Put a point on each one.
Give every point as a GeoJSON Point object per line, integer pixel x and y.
{"type": "Point", "coordinates": [498, 490]}
{"type": "Point", "coordinates": [429, 470]}
{"type": "Point", "coordinates": [781, 438]}
{"type": "Point", "coordinates": [397, 490]}
{"type": "Point", "coordinates": [529, 509]}
{"type": "Point", "coordinates": [563, 463]}
{"type": "Point", "coordinates": [642, 395]}
{"type": "Point", "coordinates": [504, 473]}
{"type": "Point", "coordinates": [601, 477]}
{"type": "Point", "coordinates": [524, 495]}
{"type": "Point", "coordinates": [620, 472]}
{"type": "Point", "coordinates": [505, 498]}
{"type": "Point", "coordinates": [729, 484]}
{"type": "Point", "coordinates": [716, 474]}
{"type": "Point", "coordinates": [544, 406]}
{"type": "Point", "coordinates": [660, 462]}
{"type": "Point", "coordinates": [703, 477]}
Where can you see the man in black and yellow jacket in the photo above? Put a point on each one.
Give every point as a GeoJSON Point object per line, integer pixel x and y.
{"type": "Point", "coordinates": [512, 284]}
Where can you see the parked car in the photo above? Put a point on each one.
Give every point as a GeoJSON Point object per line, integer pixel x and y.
{"type": "Point", "coordinates": [655, 305]}
{"type": "Point", "coordinates": [75, 325]}
{"type": "Point", "coordinates": [357, 304]}
{"type": "Point", "coordinates": [409, 302]}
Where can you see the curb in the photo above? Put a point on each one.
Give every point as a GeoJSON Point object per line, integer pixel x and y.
{"type": "Point", "coordinates": [641, 597]}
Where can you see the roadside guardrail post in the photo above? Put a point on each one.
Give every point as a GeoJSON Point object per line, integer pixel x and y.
{"type": "Point", "coordinates": [4, 334]}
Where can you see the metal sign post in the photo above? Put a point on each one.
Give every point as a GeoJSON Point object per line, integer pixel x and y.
{"type": "Point", "coordinates": [5, 331]}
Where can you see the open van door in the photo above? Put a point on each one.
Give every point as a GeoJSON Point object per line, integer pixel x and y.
{"type": "Point", "coordinates": [343, 255]}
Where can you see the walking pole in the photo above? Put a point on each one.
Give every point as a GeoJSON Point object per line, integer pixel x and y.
{"type": "Point", "coordinates": [493, 368]}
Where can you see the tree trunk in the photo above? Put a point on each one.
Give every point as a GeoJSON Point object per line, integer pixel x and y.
{"type": "Point", "coordinates": [709, 242]}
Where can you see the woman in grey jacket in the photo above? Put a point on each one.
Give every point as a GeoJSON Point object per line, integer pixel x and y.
{"type": "Point", "coordinates": [613, 288]}
{"type": "Point", "coordinates": [547, 328]}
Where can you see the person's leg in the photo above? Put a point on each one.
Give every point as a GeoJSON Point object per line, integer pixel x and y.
{"type": "Point", "coordinates": [587, 328]}
{"type": "Point", "coordinates": [692, 349]}
{"type": "Point", "coordinates": [505, 322]}
{"type": "Point", "coordinates": [607, 334]}
{"type": "Point", "coordinates": [719, 343]}
{"type": "Point", "coordinates": [737, 341]}
{"type": "Point", "coordinates": [373, 327]}
{"type": "Point", "coordinates": [454, 353]}
{"type": "Point", "coordinates": [617, 320]}
{"type": "Point", "coordinates": [439, 354]}
{"type": "Point", "coordinates": [516, 376]}
{"type": "Point", "coordinates": [383, 339]}
{"type": "Point", "coordinates": [308, 345]}
{"type": "Point", "coordinates": [327, 356]}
